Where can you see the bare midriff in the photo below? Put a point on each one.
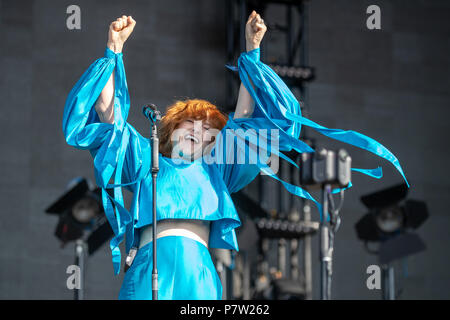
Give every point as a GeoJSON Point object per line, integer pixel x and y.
{"type": "Point", "coordinates": [194, 229]}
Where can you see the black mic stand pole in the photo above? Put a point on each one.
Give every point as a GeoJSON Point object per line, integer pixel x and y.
{"type": "Point", "coordinates": [155, 168]}
{"type": "Point", "coordinates": [80, 261]}
{"type": "Point", "coordinates": [325, 250]}
{"type": "Point", "coordinates": [328, 227]}
{"type": "Point", "coordinates": [154, 140]}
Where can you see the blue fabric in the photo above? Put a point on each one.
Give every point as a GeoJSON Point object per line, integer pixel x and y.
{"type": "Point", "coordinates": [201, 189]}
{"type": "Point", "coordinates": [113, 146]}
{"type": "Point", "coordinates": [276, 104]}
{"type": "Point", "coordinates": [185, 272]}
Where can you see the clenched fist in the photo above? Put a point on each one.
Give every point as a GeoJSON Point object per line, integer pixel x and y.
{"type": "Point", "coordinates": [119, 31]}
{"type": "Point", "coordinates": [254, 31]}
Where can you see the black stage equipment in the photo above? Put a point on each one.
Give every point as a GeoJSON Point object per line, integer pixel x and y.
{"type": "Point", "coordinates": [325, 167]}
{"type": "Point", "coordinates": [81, 219]}
{"type": "Point", "coordinates": [389, 223]}
{"type": "Point", "coordinates": [328, 170]}
{"type": "Point", "coordinates": [290, 62]}
{"type": "Point", "coordinates": [268, 284]}
{"type": "Point", "coordinates": [294, 74]}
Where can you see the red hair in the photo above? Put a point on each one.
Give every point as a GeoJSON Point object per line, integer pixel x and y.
{"type": "Point", "coordinates": [180, 111]}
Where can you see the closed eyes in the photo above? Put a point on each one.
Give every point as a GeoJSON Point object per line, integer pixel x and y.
{"type": "Point", "coordinates": [206, 126]}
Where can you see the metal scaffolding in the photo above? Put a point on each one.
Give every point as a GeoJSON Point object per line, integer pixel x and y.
{"type": "Point", "coordinates": [290, 225]}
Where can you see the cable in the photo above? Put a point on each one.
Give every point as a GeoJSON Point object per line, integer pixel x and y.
{"type": "Point", "coordinates": [335, 219]}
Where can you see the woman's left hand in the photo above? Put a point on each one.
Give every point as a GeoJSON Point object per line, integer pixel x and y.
{"type": "Point", "coordinates": [254, 31]}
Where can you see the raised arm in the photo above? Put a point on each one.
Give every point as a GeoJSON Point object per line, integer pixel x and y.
{"type": "Point", "coordinates": [254, 33]}
{"type": "Point", "coordinates": [119, 31]}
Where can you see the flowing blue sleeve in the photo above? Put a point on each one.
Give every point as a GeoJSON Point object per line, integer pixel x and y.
{"type": "Point", "coordinates": [276, 107]}
{"type": "Point", "coordinates": [229, 153]}
{"type": "Point", "coordinates": [118, 150]}
{"type": "Point", "coordinates": [243, 146]}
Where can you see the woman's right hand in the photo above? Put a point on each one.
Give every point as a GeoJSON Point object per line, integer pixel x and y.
{"type": "Point", "coordinates": [119, 31]}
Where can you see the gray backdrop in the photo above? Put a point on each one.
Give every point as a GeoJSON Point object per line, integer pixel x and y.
{"type": "Point", "coordinates": [392, 85]}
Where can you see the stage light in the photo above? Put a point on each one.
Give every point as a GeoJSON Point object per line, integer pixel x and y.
{"type": "Point", "coordinates": [390, 219]}
{"type": "Point", "coordinates": [389, 223]}
{"type": "Point", "coordinates": [387, 215]}
{"type": "Point", "coordinates": [80, 210]}
{"type": "Point", "coordinates": [86, 209]}
{"type": "Point", "coordinates": [81, 219]}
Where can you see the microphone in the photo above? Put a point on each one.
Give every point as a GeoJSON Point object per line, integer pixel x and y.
{"type": "Point", "coordinates": [151, 112]}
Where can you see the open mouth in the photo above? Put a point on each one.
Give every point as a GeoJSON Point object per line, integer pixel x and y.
{"type": "Point", "coordinates": [191, 138]}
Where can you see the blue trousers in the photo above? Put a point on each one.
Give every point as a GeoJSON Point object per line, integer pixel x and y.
{"type": "Point", "coordinates": [185, 272]}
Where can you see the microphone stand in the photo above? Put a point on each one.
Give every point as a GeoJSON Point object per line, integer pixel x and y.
{"type": "Point", "coordinates": [154, 116]}
{"type": "Point", "coordinates": [328, 227]}
{"type": "Point", "coordinates": [325, 250]}
{"type": "Point", "coordinates": [80, 261]}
